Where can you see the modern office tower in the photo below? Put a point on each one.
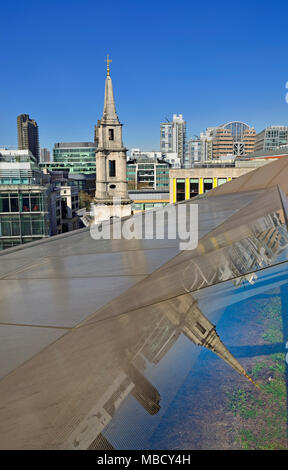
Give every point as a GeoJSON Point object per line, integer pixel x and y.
{"type": "Point", "coordinates": [271, 138]}
{"type": "Point", "coordinates": [173, 137]}
{"type": "Point", "coordinates": [44, 155]}
{"type": "Point", "coordinates": [28, 136]}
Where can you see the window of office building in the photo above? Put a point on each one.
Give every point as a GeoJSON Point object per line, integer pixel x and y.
{"type": "Point", "coordinates": [4, 202]}
{"type": "Point", "coordinates": [9, 202]}
{"type": "Point", "coordinates": [30, 202]}
{"type": "Point", "coordinates": [180, 189]}
{"type": "Point", "coordinates": [222, 181]}
{"type": "Point", "coordinates": [9, 226]}
{"type": "Point", "coordinates": [194, 187]}
{"type": "Point", "coordinates": [208, 184]}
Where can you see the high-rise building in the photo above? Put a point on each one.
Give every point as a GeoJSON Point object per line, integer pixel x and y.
{"type": "Point", "coordinates": [28, 135]}
{"type": "Point", "coordinates": [194, 152]}
{"type": "Point", "coordinates": [173, 137]}
{"type": "Point", "coordinates": [271, 138]}
{"type": "Point", "coordinates": [44, 155]}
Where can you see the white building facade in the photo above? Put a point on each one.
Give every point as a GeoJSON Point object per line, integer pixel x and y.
{"type": "Point", "coordinates": [173, 137]}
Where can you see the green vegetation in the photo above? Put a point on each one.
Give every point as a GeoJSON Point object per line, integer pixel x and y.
{"type": "Point", "coordinates": [262, 414]}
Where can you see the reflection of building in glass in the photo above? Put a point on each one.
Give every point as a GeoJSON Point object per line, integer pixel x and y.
{"type": "Point", "coordinates": [163, 327]}
{"type": "Point", "coordinates": [87, 433]}
{"type": "Point", "coordinates": [255, 252]}
{"type": "Point", "coordinates": [236, 253]}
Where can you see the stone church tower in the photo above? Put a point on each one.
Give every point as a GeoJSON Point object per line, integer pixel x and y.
{"type": "Point", "coordinates": [111, 197]}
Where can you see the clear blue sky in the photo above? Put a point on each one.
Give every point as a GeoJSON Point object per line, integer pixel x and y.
{"type": "Point", "coordinates": [211, 61]}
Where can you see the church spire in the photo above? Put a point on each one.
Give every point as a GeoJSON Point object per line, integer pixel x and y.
{"type": "Point", "coordinates": [109, 112]}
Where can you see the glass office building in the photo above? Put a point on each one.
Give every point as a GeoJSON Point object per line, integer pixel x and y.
{"type": "Point", "coordinates": [78, 160]}
{"type": "Point", "coordinates": [23, 216]}
{"type": "Point", "coordinates": [77, 157]}
{"type": "Point", "coordinates": [24, 199]}
{"type": "Point", "coordinates": [272, 138]}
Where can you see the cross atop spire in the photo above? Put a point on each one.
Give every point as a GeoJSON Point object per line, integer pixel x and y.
{"type": "Point", "coordinates": [108, 61]}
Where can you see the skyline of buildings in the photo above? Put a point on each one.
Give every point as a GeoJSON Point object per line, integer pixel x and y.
{"type": "Point", "coordinates": [31, 183]}
{"type": "Point", "coordinates": [179, 149]}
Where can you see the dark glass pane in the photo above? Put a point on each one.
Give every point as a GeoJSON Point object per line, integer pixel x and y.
{"type": "Point", "coordinates": [25, 204]}
{"type": "Point", "coordinates": [4, 205]}
{"type": "Point", "coordinates": [14, 204]}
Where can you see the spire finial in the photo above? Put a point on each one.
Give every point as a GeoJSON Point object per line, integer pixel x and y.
{"type": "Point", "coordinates": [108, 66]}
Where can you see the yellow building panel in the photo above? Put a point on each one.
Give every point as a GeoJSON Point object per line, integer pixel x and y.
{"type": "Point", "coordinates": [201, 186]}
{"type": "Point", "coordinates": [174, 189]}
{"type": "Point", "coordinates": [229, 178]}
{"type": "Point", "coordinates": [187, 188]}
{"type": "Point", "coordinates": [214, 182]}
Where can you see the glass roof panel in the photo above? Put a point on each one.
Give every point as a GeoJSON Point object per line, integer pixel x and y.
{"type": "Point", "coordinates": [142, 381]}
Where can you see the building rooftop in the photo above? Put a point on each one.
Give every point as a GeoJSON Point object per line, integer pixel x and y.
{"type": "Point", "coordinates": [62, 145]}
{"type": "Point", "coordinates": [282, 151]}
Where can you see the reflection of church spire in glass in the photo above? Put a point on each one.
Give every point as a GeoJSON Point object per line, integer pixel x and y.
{"type": "Point", "coordinates": [191, 321]}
